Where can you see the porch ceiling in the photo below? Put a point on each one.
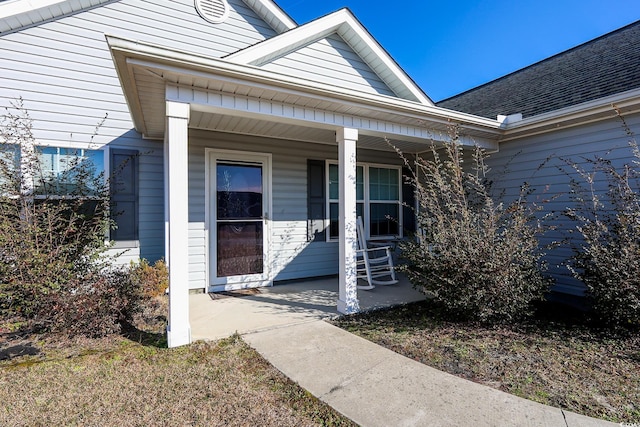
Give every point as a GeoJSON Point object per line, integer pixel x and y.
{"type": "Point", "coordinates": [247, 100]}
{"type": "Point", "coordinates": [270, 129]}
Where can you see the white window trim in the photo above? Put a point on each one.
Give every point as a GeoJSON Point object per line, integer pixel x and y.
{"type": "Point", "coordinates": [367, 201]}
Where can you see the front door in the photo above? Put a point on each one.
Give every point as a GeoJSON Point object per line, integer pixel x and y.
{"type": "Point", "coordinates": [238, 220]}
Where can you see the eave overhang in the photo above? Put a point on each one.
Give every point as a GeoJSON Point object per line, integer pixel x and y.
{"type": "Point", "coordinates": [16, 14]}
{"type": "Point", "coordinates": [627, 102]}
{"type": "Point", "coordinates": [147, 71]}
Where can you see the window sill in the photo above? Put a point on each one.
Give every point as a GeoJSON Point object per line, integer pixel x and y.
{"type": "Point", "coordinates": [125, 244]}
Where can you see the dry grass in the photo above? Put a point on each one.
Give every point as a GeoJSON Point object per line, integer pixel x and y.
{"type": "Point", "coordinates": [119, 381]}
{"type": "Point", "coordinates": [559, 362]}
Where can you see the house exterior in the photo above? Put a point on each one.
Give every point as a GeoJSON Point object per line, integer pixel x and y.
{"type": "Point", "coordinates": [566, 102]}
{"type": "Point", "coordinates": [250, 143]}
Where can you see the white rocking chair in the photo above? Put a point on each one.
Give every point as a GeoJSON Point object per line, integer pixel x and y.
{"type": "Point", "coordinates": [373, 262]}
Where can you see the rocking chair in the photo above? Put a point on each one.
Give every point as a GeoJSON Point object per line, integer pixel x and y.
{"type": "Point", "coordinates": [373, 262]}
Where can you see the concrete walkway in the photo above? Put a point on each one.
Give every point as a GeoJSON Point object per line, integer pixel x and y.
{"type": "Point", "coordinates": [284, 305]}
{"type": "Point", "coordinates": [374, 386]}
{"type": "Point", "coordinates": [367, 383]}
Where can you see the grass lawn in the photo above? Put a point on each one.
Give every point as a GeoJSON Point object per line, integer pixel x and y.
{"type": "Point", "coordinates": [135, 381]}
{"type": "Point", "coordinates": [115, 381]}
{"type": "Point", "coordinates": [556, 359]}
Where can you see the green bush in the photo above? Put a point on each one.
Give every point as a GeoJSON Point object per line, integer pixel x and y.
{"type": "Point", "coordinates": [607, 252]}
{"type": "Point", "coordinates": [478, 257]}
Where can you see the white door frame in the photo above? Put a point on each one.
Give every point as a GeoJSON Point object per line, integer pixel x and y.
{"type": "Point", "coordinates": [216, 284]}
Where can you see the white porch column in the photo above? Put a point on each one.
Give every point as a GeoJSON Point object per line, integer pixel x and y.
{"type": "Point", "coordinates": [177, 221]}
{"type": "Point", "coordinates": [348, 295]}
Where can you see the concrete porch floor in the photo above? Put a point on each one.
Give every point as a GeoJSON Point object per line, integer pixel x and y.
{"type": "Point", "coordinates": [284, 305]}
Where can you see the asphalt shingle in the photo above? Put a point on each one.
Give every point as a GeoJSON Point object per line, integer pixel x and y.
{"type": "Point", "coordinates": [601, 67]}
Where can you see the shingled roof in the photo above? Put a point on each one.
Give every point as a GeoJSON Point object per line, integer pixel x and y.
{"type": "Point", "coordinates": [604, 66]}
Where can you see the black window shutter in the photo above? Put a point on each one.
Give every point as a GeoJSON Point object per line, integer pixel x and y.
{"type": "Point", "coordinates": [124, 194]}
{"type": "Point", "coordinates": [316, 200]}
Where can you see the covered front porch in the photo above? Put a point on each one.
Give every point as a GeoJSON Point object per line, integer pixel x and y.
{"type": "Point", "coordinates": [217, 113]}
{"type": "Point", "coordinates": [215, 316]}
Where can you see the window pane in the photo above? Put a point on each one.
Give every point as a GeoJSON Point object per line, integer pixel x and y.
{"type": "Point", "coordinates": [9, 163]}
{"type": "Point", "coordinates": [384, 219]}
{"type": "Point", "coordinates": [67, 171]}
{"type": "Point", "coordinates": [333, 182]}
{"type": "Point", "coordinates": [374, 175]}
{"type": "Point", "coordinates": [394, 177]}
{"type": "Point", "coordinates": [239, 191]}
{"type": "Point", "coordinates": [239, 248]}
{"type": "Point", "coordinates": [394, 192]}
{"type": "Point", "coordinates": [384, 184]}
{"type": "Point", "coordinates": [334, 213]}
{"type": "Point", "coordinates": [334, 218]}
{"type": "Point", "coordinates": [383, 191]}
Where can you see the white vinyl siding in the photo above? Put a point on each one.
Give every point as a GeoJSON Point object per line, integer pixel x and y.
{"type": "Point", "coordinates": [292, 256]}
{"type": "Point", "coordinates": [63, 71]}
{"type": "Point", "coordinates": [523, 159]}
{"type": "Point", "coordinates": [63, 68]}
{"type": "Point", "coordinates": [331, 61]}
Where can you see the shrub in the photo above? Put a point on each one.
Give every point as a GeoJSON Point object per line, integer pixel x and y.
{"type": "Point", "coordinates": [53, 268]}
{"type": "Point", "coordinates": [478, 257]}
{"type": "Point", "coordinates": [607, 255]}
{"type": "Point", "coordinates": [153, 280]}
{"type": "Point", "coordinates": [96, 305]}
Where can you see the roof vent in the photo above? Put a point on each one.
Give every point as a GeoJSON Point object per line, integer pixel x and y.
{"type": "Point", "coordinates": [214, 11]}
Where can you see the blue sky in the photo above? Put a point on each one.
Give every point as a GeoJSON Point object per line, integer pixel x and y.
{"type": "Point", "coordinates": [449, 46]}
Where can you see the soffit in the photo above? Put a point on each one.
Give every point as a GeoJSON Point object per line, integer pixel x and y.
{"type": "Point", "coordinates": [16, 14]}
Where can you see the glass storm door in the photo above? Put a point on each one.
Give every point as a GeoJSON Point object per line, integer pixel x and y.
{"type": "Point", "coordinates": [238, 218]}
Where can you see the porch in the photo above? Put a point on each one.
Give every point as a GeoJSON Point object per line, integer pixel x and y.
{"type": "Point", "coordinates": [215, 115]}
{"type": "Point", "coordinates": [215, 316]}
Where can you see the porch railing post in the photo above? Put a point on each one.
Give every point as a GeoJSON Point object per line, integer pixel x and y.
{"type": "Point", "coordinates": [177, 221]}
{"type": "Point", "coordinates": [348, 294]}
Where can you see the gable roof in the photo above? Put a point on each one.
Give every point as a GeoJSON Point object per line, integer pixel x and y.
{"type": "Point", "coordinates": [16, 14]}
{"type": "Point", "coordinates": [599, 68]}
{"type": "Point", "coordinates": [344, 24]}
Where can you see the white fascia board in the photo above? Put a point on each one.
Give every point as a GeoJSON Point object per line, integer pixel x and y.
{"type": "Point", "coordinates": [27, 8]}
{"type": "Point", "coordinates": [303, 35]}
{"type": "Point", "coordinates": [272, 14]}
{"type": "Point", "coordinates": [17, 7]}
{"type": "Point", "coordinates": [343, 23]}
{"type": "Point", "coordinates": [361, 33]}
{"type": "Point", "coordinates": [628, 101]}
{"type": "Point", "coordinates": [152, 56]}
{"type": "Point", "coordinates": [266, 9]}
